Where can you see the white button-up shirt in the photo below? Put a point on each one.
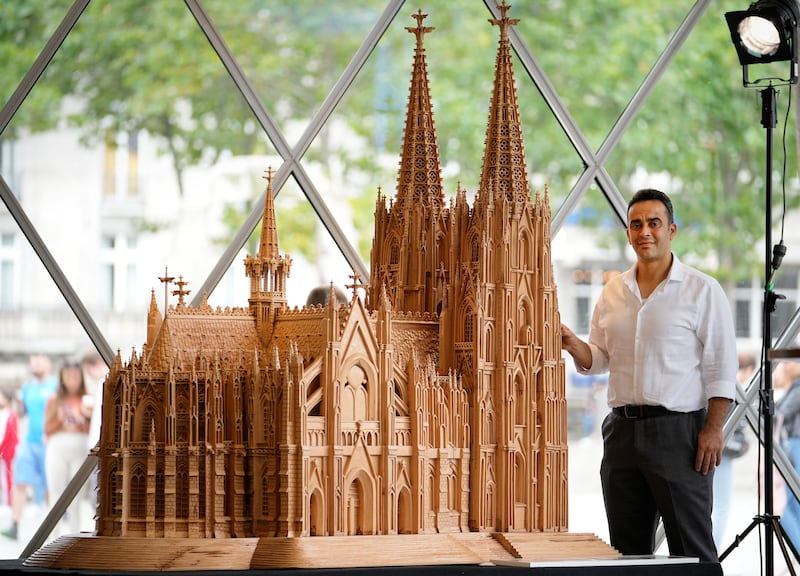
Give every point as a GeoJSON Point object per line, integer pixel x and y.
{"type": "Point", "coordinates": [677, 348]}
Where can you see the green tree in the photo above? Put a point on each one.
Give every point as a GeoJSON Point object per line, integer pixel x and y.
{"type": "Point", "coordinates": [699, 126]}
{"type": "Point", "coordinates": [147, 67]}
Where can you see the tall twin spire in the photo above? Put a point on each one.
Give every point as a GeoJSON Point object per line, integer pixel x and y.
{"type": "Point", "coordinates": [420, 177]}
{"type": "Point", "coordinates": [413, 239]}
{"type": "Point", "coordinates": [504, 167]}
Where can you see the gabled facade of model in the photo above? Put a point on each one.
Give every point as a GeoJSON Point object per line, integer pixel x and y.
{"type": "Point", "coordinates": [435, 404]}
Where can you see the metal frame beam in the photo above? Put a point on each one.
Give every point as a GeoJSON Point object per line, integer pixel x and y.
{"type": "Point", "coordinates": [291, 156]}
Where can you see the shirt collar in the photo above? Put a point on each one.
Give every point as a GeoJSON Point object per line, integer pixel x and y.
{"type": "Point", "coordinates": [676, 274]}
{"type": "Point", "coordinates": [677, 271]}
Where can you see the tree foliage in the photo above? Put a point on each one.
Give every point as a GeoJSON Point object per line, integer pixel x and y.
{"type": "Point", "coordinates": [136, 66]}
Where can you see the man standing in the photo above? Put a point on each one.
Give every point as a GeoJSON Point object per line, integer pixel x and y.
{"type": "Point", "coordinates": [664, 332]}
{"type": "Point", "coordinates": [29, 471]}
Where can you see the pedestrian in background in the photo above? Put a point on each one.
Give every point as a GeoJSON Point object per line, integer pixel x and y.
{"type": "Point", "coordinates": [787, 432]}
{"type": "Point", "coordinates": [8, 443]}
{"type": "Point", "coordinates": [30, 480]}
{"type": "Point", "coordinates": [66, 426]}
{"type": "Point", "coordinates": [95, 371]}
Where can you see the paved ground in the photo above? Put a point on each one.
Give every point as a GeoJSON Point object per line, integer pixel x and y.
{"type": "Point", "coordinates": [586, 510]}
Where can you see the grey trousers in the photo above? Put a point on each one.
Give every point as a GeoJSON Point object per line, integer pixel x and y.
{"type": "Point", "coordinates": [648, 472]}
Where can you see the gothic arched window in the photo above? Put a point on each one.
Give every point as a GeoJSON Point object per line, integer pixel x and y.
{"type": "Point", "coordinates": [469, 327]}
{"type": "Point", "coordinates": [138, 502]}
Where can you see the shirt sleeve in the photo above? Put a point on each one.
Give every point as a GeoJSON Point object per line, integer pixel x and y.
{"type": "Point", "coordinates": [596, 343]}
{"type": "Point", "coordinates": [716, 331]}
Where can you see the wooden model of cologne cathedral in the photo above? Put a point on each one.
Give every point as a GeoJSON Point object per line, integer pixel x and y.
{"type": "Point", "coordinates": [434, 404]}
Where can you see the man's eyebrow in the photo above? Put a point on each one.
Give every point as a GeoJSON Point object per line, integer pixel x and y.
{"type": "Point", "coordinates": [640, 220]}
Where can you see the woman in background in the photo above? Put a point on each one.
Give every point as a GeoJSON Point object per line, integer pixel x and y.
{"type": "Point", "coordinates": [8, 442]}
{"type": "Point", "coordinates": [66, 427]}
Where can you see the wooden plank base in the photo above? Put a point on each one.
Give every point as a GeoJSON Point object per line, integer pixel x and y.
{"type": "Point", "coordinates": [85, 551]}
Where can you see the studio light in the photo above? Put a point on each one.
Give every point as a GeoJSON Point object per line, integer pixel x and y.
{"type": "Point", "coordinates": [766, 32]}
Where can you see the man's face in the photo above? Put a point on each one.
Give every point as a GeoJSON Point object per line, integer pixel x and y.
{"type": "Point", "coordinates": [649, 230]}
{"type": "Point", "coordinates": [39, 366]}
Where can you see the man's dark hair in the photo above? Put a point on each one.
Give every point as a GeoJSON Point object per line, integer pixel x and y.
{"type": "Point", "coordinates": [653, 194]}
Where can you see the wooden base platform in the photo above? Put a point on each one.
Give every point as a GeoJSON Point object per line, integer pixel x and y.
{"type": "Point", "coordinates": [90, 552]}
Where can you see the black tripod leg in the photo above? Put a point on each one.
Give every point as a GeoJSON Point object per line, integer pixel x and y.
{"type": "Point", "coordinates": [783, 541]}
{"type": "Point", "coordinates": [739, 537]}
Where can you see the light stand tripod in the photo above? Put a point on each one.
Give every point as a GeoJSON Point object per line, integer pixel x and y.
{"type": "Point", "coordinates": [770, 521]}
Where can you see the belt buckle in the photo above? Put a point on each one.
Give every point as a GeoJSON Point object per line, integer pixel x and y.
{"type": "Point", "coordinates": [635, 411]}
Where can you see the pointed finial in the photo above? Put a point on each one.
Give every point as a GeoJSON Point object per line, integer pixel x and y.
{"type": "Point", "coordinates": [166, 279]}
{"type": "Point", "coordinates": [268, 176]}
{"type": "Point", "coordinates": [420, 30]}
{"type": "Point", "coordinates": [181, 291]}
{"type": "Point", "coordinates": [153, 305]}
{"type": "Point", "coordinates": [504, 21]}
{"type": "Point", "coordinates": [356, 283]}
{"type": "Point", "coordinates": [331, 299]}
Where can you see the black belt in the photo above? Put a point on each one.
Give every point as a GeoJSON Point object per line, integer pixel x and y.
{"type": "Point", "coordinates": [635, 412]}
